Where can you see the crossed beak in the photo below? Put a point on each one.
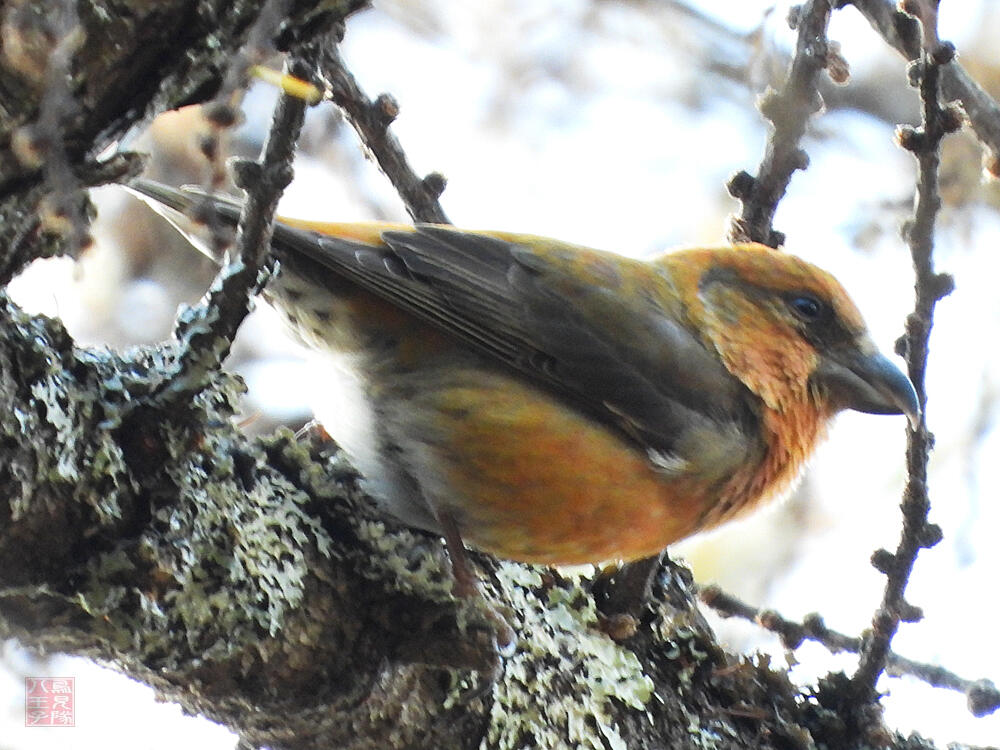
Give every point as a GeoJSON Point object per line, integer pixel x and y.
{"type": "Point", "coordinates": [860, 377]}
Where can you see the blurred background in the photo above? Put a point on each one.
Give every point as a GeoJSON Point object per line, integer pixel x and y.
{"type": "Point", "coordinates": [616, 124]}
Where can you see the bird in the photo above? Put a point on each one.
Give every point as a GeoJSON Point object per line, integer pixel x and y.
{"type": "Point", "coordinates": [553, 404]}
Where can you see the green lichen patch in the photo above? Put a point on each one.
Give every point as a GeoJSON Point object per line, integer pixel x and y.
{"type": "Point", "coordinates": [53, 397]}
{"type": "Point", "coordinates": [560, 687]}
{"type": "Point", "coordinates": [236, 547]}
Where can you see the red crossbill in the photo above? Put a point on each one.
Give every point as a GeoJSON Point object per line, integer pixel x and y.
{"type": "Point", "coordinates": [550, 403]}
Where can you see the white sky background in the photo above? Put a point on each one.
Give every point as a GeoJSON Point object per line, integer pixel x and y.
{"type": "Point", "coordinates": [574, 119]}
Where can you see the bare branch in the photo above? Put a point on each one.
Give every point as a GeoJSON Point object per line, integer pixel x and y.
{"type": "Point", "coordinates": [789, 111]}
{"type": "Point", "coordinates": [902, 32]}
{"type": "Point", "coordinates": [983, 696]}
{"type": "Point", "coordinates": [207, 331]}
{"type": "Point", "coordinates": [371, 119]}
{"type": "Point", "coordinates": [917, 533]}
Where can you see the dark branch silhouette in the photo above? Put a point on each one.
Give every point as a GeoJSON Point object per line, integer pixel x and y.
{"type": "Point", "coordinates": [789, 111]}
{"type": "Point", "coordinates": [918, 533]}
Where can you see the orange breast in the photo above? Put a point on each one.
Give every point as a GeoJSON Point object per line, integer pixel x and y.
{"type": "Point", "coordinates": [534, 481]}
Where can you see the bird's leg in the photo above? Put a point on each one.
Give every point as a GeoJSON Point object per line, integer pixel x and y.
{"type": "Point", "coordinates": [622, 591]}
{"type": "Point", "coordinates": [313, 431]}
{"type": "Point", "coordinates": [466, 583]}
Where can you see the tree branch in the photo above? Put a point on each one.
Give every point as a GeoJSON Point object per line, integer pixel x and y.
{"type": "Point", "coordinates": [789, 111]}
{"type": "Point", "coordinates": [983, 696]}
{"type": "Point", "coordinates": [917, 533]}
{"type": "Point", "coordinates": [371, 120]}
{"type": "Point", "coordinates": [902, 32]}
{"type": "Point", "coordinates": [207, 332]}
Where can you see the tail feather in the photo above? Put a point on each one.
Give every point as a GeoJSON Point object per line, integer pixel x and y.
{"type": "Point", "coordinates": [187, 209]}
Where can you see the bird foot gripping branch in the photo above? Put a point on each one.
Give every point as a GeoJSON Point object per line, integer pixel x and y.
{"type": "Point", "coordinates": [554, 404]}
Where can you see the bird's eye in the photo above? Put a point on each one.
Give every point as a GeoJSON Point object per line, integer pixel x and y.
{"type": "Point", "coordinates": [806, 307]}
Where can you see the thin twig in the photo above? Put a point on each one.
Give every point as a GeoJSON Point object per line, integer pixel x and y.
{"type": "Point", "coordinates": [982, 695]}
{"type": "Point", "coordinates": [41, 143]}
{"type": "Point", "coordinates": [789, 111]}
{"type": "Point", "coordinates": [371, 120]}
{"type": "Point", "coordinates": [228, 301]}
{"type": "Point", "coordinates": [223, 113]}
{"type": "Point", "coordinates": [208, 330]}
{"type": "Point", "coordinates": [917, 533]}
{"type": "Point", "coordinates": [902, 32]}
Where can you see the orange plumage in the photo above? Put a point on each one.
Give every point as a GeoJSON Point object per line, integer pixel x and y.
{"type": "Point", "coordinates": [555, 404]}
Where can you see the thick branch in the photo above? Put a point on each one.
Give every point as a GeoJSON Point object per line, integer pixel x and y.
{"type": "Point", "coordinates": [136, 59]}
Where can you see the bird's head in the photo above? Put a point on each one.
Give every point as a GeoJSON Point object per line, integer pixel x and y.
{"type": "Point", "coordinates": [788, 330]}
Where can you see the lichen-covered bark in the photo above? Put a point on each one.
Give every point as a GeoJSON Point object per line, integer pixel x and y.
{"type": "Point", "coordinates": [250, 581]}
{"type": "Point", "coordinates": [133, 59]}
{"type": "Point", "coordinates": [227, 572]}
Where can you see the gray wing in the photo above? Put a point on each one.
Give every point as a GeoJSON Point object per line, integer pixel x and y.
{"type": "Point", "coordinates": [623, 361]}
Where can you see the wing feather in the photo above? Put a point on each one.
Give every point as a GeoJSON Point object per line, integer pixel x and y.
{"type": "Point", "coordinates": [623, 361]}
{"type": "Point", "coordinates": [619, 357]}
